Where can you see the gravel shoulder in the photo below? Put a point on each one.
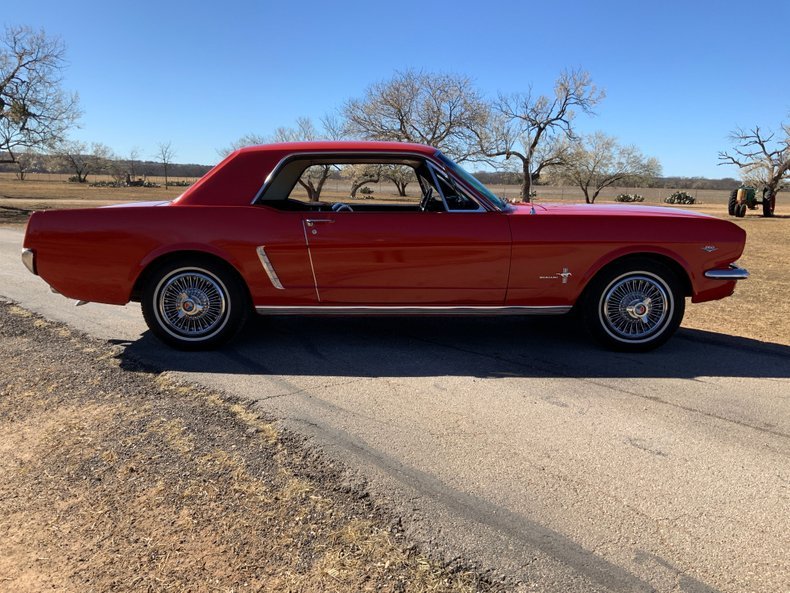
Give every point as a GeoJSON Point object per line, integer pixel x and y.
{"type": "Point", "coordinates": [127, 480]}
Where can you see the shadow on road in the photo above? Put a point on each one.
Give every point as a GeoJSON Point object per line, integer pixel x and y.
{"type": "Point", "coordinates": [477, 347]}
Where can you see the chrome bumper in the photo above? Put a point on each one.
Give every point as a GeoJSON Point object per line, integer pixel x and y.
{"type": "Point", "coordinates": [731, 273]}
{"type": "Point", "coordinates": [29, 259]}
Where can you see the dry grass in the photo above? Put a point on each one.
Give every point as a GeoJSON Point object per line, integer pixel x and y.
{"type": "Point", "coordinates": [757, 310]}
{"type": "Point", "coordinates": [117, 480]}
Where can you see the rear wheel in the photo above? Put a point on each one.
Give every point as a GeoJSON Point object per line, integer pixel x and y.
{"type": "Point", "coordinates": [634, 306]}
{"type": "Point", "coordinates": [194, 305]}
{"type": "Point", "coordinates": [733, 202]}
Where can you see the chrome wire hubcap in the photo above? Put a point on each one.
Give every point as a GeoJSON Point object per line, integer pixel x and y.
{"type": "Point", "coordinates": [635, 307]}
{"type": "Point", "coordinates": [192, 303]}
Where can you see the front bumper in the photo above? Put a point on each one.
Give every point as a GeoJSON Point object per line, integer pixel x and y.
{"type": "Point", "coordinates": [29, 259]}
{"type": "Point", "coordinates": [731, 273]}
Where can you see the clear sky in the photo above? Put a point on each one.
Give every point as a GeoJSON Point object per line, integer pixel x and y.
{"type": "Point", "coordinates": [679, 76]}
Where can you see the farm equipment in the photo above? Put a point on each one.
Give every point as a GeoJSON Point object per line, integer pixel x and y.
{"type": "Point", "coordinates": [746, 197]}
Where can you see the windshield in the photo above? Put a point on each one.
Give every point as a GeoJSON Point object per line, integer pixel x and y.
{"type": "Point", "coordinates": [472, 181]}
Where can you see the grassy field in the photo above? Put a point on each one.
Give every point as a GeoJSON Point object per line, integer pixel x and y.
{"type": "Point", "coordinates": [758, 309]}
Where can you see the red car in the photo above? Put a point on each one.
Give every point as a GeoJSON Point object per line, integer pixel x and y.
{"type": "Point", "coordinates": [369, 228]}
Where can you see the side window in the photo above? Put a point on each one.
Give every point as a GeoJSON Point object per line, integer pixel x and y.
{"type": "Point", "coordinates": [362, 186]}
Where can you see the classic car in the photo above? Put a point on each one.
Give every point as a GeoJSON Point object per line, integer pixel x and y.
{"type": "Point", "coordinates": [289, 229]}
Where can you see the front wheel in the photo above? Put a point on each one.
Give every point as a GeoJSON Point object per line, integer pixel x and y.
{"type": "Point", "coordinates": [634, 306]}
{"type": "Point", "coordinates": [194, 305]}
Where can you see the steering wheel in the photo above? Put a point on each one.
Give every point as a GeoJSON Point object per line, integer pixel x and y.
{"type": "Point", "coordinates": [426, 199]}
{"type": "Point", "coordinates": [341, 207]}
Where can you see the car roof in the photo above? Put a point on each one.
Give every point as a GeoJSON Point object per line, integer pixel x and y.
{"type": "Point", "coordinates": [340, 146]}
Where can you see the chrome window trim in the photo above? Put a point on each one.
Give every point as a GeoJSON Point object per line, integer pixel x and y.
{"type": "Point", "coordinates": [432, 171]}
{"type": "Point", "coordinates": [460, 310]}
{"type": "Point", "coordinates": [448, 175]}
{"type": "Point", "coordinates": [268, 267]}
{"type": "Point", "coordinates": [731, 273]}
{"type": "Point", "coordinates": [486, 205]}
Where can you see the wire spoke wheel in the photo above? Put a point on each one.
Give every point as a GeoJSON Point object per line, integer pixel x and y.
{"type": "Point", "coordinates": [192, 304]}
{"type": "Point", "coordinates": [635, 307]}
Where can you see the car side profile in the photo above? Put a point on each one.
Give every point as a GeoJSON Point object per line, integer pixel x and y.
{"type": "Point", "coordinates": [276, 230]}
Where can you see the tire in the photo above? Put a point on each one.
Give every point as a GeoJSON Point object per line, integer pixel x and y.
{"type": "Point", "coordinates": [733, 202]}
{"type": "Point", "coordinates": [740, 210]}
{"type": "Point", "coordinates": [769, 204]}
{"type": "Point", "coordinates": [634, 305]}
{"type": "Point", "coordinates": [194, 304]}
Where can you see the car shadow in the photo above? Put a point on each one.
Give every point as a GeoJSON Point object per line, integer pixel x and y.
{"type": "Point", "coordinates": [477, 347]}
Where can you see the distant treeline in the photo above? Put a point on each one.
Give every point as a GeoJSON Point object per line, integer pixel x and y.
{"type": "Point", "coordinates": [512, 178]}
{"type": "Point", "coordinates": [141, 168]}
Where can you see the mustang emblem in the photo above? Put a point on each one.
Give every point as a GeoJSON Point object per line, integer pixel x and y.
{"type": "Point", "coordinates": [565, 274]}
{"type": "Point", "coordinates": [710, 248]}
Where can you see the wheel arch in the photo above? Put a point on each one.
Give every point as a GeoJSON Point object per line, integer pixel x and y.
{"type": "Point", "coordinates": [674, 263]}
{"type": "Point", "coordinates": [149, 265]}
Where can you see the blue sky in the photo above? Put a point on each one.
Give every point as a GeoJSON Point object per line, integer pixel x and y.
{"type": "Point", "coordinates": [679, 76]}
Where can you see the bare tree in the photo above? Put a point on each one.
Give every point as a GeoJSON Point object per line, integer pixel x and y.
{"type": "Point", "coordinates": [537, 130]}
{"type": "Point", "coordinates": [440, 110]}
{"type": "Point", "coordinates": [131, 164]}
{"type": "Point", "coordinates": [400, 175]}
{"type": "Point", "coordinates": [35, 112]}
{"type": "Point", "coordinates": [82, 159]}
{"type": "Point", "coordinates": [599, 161]}
{"type": "Point", "coordinates": [26, 161]}
{"type": "Point", "coordinates": [361, 175]}
{"type": "Point", "coordinates": [764, 159]}
{"type": "Point", "coordinates": [165, 154]}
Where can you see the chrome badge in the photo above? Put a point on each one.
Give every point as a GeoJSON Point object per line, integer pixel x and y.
{"type": "Point", "coordinates": [710, 248]}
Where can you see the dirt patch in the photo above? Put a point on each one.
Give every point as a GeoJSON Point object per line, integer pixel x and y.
{"type": "Point", "coordinates": [119, 480]}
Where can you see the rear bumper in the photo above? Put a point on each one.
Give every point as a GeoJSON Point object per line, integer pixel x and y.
{"type": "Point", "coordinates": [29, 259]}
{"type": "Point", "coordinates": [731, 273]}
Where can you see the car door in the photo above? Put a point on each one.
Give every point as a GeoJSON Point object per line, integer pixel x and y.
{"type": "Point", "coordinates": [416, 257]}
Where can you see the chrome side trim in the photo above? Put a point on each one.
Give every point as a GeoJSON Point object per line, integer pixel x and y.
{"type": "Point", "coordinates": [731, 273]}
{"type": "Point", "coordinates": [269, 268]}
{"type": "Point", "coordinates": [29, 259]}
{"type": "Point", "coordinates": [411, 310]}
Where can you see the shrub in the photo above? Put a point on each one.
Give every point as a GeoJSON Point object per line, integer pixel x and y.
{"type": "Point", "coordinates": [629, 198]}
{"type": "Point", "coordinates": [680, 197]}
{"type": "Point", "coordinates": [366, 190]}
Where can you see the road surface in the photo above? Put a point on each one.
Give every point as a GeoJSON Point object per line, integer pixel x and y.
{"type": "Point", "coordinates": [517, 443]}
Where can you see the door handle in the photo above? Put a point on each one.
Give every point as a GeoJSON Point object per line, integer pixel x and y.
{"type": "Point", "coordinates": [314, 221]}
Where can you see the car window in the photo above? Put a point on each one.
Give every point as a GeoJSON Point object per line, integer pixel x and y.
{"type": "Point", "coordinates": [366, 185]}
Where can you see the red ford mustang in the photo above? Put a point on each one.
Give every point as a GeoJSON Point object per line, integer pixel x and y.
{"type": "Point", "coordinates": [348, 228]}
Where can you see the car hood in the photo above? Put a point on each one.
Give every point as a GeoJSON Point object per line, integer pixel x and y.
{"type": "Point", "coordinates": [605, 210]}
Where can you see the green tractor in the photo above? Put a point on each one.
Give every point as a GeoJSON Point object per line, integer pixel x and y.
{"type": "Point", "coordinates": [746, 197]}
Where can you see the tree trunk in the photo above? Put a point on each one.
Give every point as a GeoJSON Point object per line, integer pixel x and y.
{"type": "Point", "coordinates": [526, 185]}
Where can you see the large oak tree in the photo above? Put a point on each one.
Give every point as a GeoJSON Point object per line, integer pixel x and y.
{"type": "Point", "coordinates": [537, 129]}
{"type": "Point", "coordinates": [35, 112]}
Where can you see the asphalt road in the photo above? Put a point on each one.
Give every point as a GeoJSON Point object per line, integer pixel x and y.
{"type": "Point", "coordinates": [517, 442]}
